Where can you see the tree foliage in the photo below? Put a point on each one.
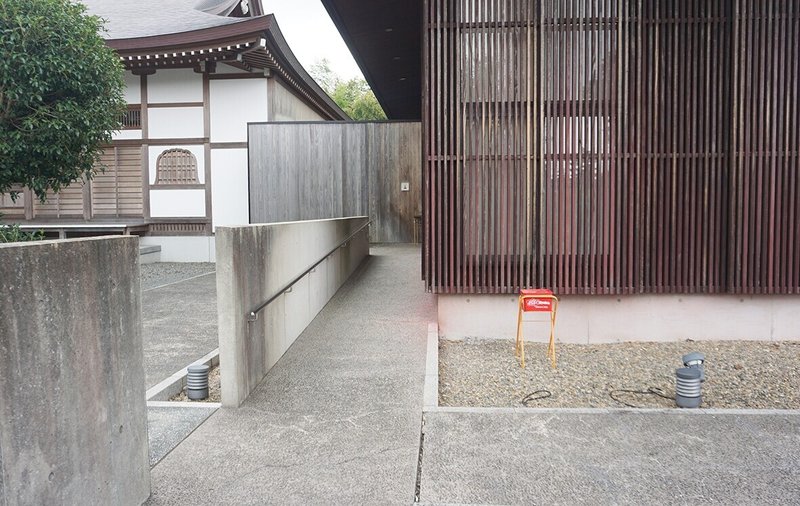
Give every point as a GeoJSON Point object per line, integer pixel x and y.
{"type": "Point", "coordinates": [60, 94]}
{"type": "Point", "coordinates": [354, 96]}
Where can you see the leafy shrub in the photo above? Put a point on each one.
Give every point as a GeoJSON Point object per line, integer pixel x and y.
{"type": "Point", "coordinates": [12, 233]}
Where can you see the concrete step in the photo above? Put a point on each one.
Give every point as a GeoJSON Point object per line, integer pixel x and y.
{"type": "Point", "coordinates": [149, 254]}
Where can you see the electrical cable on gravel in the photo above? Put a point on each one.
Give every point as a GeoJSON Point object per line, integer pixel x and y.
{"type": "Point", "coordinates": [538, 395]}
{"type": "Point", "coordinates": [650, 391]}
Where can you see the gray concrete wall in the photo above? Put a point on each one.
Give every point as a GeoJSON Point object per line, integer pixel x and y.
{"type": "Point", "coordinates": [256, 261]}
{"type": "Point", "coordinates": [609, 319]}
{"type": "Point", "coordinates": [73, 420]}
{"type": "Point", "coordinates": [306, 171]}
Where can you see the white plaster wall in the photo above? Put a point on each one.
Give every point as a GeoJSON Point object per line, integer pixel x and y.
{"type": "Point", "coordinates": [182, 248]}
{"type": "Point", "coordinates": [223, 68]}
{"type": "Point", "coordinates": [175, 85]}
{"type": "Point", "coordinates": [229, 198]}
{"type": "Point", "coordinates": [177, 203]}
{"type": "Point", "coordinates": [127, 134]}
{"type": "Point", "coordinates": [197, 150]}
{"type": "Point", "coordinates": [133, 95]}
{"type": "Point", "coordinates": [609, 319]}
{"type": "Point", "coordinates": [234, 103]}
{"type": "Point", "coordinates": [133, 88]}
{"type": "Point", "coordinates": [175, 122]}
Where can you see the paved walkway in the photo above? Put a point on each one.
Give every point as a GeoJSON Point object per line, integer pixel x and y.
{"type": "Point", "coordinates": [337, 420]}
{"type": "Point", "coordinates": [501, 456]}
{"type": "Point", "coordinates": [179, 325]}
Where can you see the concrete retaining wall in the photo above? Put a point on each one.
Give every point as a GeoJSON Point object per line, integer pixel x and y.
{"type": "Point", "coordinates": [609, 319]}
{"type": "Point", "coordinates": [253, 263]}
{"type": "Point", "coordinates": [73, 420]}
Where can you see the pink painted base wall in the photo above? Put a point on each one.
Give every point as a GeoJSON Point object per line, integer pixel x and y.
{"type": "Point", "coordinates": [610, 319]}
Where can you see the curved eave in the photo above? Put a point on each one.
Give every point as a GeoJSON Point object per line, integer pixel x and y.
{"type": "Point", "coordinates": [257, 42]}
{"type": "Point", "coordinates": [203, 36]}
{"type": "Point", "coordinates": [295, 70]}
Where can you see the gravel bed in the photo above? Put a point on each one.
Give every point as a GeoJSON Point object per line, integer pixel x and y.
{"type": "Point", "coordinates": [739, 374]}
{"type": "Point", "coordinates": [213, 389]}
{"type": "Point", "coordinates": [164, 273]}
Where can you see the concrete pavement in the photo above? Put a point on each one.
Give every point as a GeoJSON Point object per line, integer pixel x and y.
{"type": "Point", "coordinates": [179, 325]}
{"type": "Point", "coordinates": [337, 420]}
{"type": "Point", "coordinates": [168, 423]}
{"type": "Point", "coordinates": [497, 456]}
{"type": "Point", "coordinates": [179, 321]}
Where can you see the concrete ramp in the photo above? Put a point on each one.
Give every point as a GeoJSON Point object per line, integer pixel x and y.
{"type": "Point", "coordinates": [336, 420]}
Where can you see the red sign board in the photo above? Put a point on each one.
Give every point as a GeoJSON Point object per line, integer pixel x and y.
{"type": "Point", "coordinates": [536, 304]}
{"type": "Point", "coordinates": [537, 300]}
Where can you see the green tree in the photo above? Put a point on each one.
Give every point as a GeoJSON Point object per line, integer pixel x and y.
{"type": "Point", "coordinates": [60, 94]}
{"type": "Point", "coordinates": [324, 75]}
{"type": "Point", "coordinates": [357, 100]}
{"type": "Point", "coordinates": [354, 96]}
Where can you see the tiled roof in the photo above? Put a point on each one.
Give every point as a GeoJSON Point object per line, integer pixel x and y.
{"type": "Point", "coordinates": [126, 19]}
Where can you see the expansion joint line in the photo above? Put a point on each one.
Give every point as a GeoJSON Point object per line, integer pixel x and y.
{"type": "Point", "coordinates": [418, 482]}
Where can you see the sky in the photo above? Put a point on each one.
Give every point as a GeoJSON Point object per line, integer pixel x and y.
{"type": "Point", "coordinates": [312, 35]}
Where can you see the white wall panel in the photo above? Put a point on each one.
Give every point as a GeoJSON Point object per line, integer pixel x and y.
{"type": "Point", "coordinates": [223, 68]}
{"type": "Point", "coordinates": [182, 248]}
{"type": "Point", "coordinates": [133, 88]}
{"type": "Point", "coordinates": [197, 151]}
{"type": "Point", "coordinates": [230, 204]}
{"type": "Point", "coordinates": [127, 134]}
{"type": "Point", "coordinates": [175, 122]}
{"type": "Point", "coordinates": [176, 85]}
{"type": "Point", "coordinates": [177, 203]}
{"type": "Point", "coordinates": [234, 103]}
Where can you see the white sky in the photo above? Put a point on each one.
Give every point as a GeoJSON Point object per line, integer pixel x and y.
{"type": "Point", "coordinates": [312, 35]}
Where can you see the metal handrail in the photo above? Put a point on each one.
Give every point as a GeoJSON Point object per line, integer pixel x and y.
{"type": "Point", "coordinates": [253, 316]}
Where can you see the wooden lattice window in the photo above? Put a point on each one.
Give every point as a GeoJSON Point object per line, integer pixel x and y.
{"type": "Point", "coordinates": [132, 118]}
{"type": "Point", "coordinates": [176, 166]}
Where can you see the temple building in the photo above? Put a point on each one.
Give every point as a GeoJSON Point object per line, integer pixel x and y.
{"type": "Point", "coordinates": [196, 72]}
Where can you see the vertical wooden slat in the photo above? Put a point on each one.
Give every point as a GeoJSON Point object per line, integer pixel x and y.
{"type": "Point", "coordinates": [609, 146]}
{"type": "Point", "coordinates": [793, 145]}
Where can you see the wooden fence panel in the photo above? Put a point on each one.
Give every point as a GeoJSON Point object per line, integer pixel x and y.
{"type": "Point", "coordinates": [315, 170]}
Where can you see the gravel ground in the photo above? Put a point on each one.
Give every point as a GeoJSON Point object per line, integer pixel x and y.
{"type": "Point", "coordinates": [739, 374]}
{"type": "Point", "coordinates": [213, 389]}
{"type": "Point", "coordinates": [164, 273]}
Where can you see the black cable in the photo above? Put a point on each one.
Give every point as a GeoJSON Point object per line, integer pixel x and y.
{"type": "Point", "coordinates": [538, 395]}
{"type": "Point", "coordinates": [650, 391]}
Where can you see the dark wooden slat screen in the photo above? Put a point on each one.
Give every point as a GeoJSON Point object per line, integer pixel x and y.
{"type": "Point", "coordinates": [612, 147]}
